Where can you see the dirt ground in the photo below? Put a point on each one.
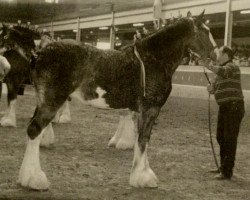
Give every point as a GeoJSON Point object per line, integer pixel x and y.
{"type": "Point", "coordinates": [81, 166]}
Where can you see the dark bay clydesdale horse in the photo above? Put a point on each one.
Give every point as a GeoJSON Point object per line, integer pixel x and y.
{"type": "Point", "coordinates": [20, 67]}
{"type": "Point", "coordinates": [110, 79]}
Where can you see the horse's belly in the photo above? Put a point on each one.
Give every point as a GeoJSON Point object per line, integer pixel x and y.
{"type": "Point", "coordinates": [99, 101]}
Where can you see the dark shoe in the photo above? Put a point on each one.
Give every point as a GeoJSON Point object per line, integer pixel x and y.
{"type": "Point", "coordinates": [221, 176]}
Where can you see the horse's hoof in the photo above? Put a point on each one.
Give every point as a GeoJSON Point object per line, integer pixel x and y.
{"type": "Point", "coordinates": [7, 122]}
{"type": "Point", "coordinates": [47, 141]}
{"type": "Point", "coordinates": [143, 178]}
{"type": "Point", "coordinates": [63, 119]}
{"type": "Point", "coordinates": [122, 144]}
{"type": "Point", "coordinates": [112, 142]}
{"type": "Point", "coordinates": [37, 181]}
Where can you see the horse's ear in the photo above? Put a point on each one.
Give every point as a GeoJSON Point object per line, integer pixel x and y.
{"type": "Point", "coordinates": [201, 16]}
{"type": "Point", "coordinates": [189, 14]}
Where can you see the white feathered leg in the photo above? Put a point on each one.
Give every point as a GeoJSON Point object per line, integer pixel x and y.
{"type": "Point", "coordinates": [30, 174]}
{"type": "Point", "coordinates": [63, 115]}
{"type": "Point", "coordinates": [9, 119]}
{"type": "Point", "coordinates": [124, 137]}
{"type": "Point", "coordinates": [141, 173]}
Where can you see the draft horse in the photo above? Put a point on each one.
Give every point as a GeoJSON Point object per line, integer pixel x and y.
{"type": "Point", "coordinates": [18, 56]}
{"type": "Point", "coordinates": [110, 79]}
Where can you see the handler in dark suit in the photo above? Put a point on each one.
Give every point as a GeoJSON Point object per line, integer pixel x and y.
{"type": "Point", "coordinates": [228, 94]}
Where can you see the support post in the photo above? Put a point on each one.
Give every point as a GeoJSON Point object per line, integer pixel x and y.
{"type": "Point", "coordinates": [157, 13]}
{"type": "Point", "coordinates": [229, 24]}
{"type": "Point", "coordinates": [52, 29]}
{"type": "Point", "coordinates": [52, 21]}
{"type": "Point", "coordinates": [112, 28]}
{"type": "Point", "coordinates": [78, 33]}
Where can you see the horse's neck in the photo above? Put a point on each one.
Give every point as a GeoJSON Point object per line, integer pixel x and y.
{"type": "Point", "coordinates": [171, 56]}
{"type": "Point", "coordinates": [168, 44]}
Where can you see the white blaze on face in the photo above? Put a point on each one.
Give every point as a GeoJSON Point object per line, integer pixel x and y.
{"type": "Point", "coordinates": [210, 35]}
{"type": "Point", "coordinates": [211, 38]}
{"type": "Point", "coordinates": [21, 52]}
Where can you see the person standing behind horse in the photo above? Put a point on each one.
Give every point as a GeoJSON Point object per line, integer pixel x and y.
{"type": "Point", "coordinates": [228, 95]}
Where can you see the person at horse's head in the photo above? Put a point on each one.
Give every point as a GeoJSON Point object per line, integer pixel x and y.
{"type": "Point", "coordinates": [228, 94]}
{"type": "Point", "coordinates": [224, 54]}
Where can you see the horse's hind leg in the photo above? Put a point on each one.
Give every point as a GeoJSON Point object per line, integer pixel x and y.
{"type": "Point", "coordinates": [125, 134]}
{"type": "Point", "coordinates": [48, 137]}
{"type": "Point", "coordinates": [30, 174]}
{"type": "Point", "coordinates": [141, 173]}
{"type": "Point", "coordinates": [63, 114]}
{"type": "Point", "coordinates": [9, 119]}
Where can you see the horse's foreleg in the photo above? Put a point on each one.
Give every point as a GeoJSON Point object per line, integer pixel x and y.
{"type": "Point", "coordinates": [125, 134]}
{"type": "Point", "coordinates": [63, 115]}
{"type": "Point", "coordinates": [141, 173]}
{"type": "Point", "coordinates": [9, 118]}
{"type": "Point", "coordinates": [31, 174]}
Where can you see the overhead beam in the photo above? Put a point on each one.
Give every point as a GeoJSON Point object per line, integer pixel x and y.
{"type": "Point", "coordinates": [146, 14]}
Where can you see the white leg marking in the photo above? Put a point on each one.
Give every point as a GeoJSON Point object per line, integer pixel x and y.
{"type": "Point", "coordinates": [63, 115]}
{"type": "Point", "coordinates": [9, 119]}
{"type": "Point", "coordinates": [48, 136]}
{"type": "Point", "coordinates": [141, 174]}
{"type": "Point", "coordinates": [30, 174]}
{"type": "Point", "coordinates": [113, 141]}
{"type": "Point", "coordinates": [125, 135]}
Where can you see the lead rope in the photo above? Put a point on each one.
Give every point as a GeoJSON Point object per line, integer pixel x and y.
{"type": "Point", "coordinates": [209, 123]}
{"type": "Point", "coordinates": [143, 73]}
{"type": "Point", "coordinates": [209, 104]}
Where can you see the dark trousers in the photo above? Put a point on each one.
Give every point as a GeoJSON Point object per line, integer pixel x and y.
{"type": "Point", "coordinates": [229, 119]}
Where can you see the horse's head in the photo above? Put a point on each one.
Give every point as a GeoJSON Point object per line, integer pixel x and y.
{"type": "Point", "coordinates": [4, 34]}
{"type": "Point", "coordinates": [18, 38]}
{"type": "Point", "coordinates": [203, 43]}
